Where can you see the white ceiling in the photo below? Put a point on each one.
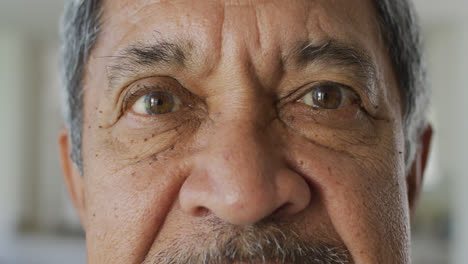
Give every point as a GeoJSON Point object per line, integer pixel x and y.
{"type": "Point", "coordinates": [42, 15]}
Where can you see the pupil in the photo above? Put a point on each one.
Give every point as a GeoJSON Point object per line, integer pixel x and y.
{"type": "Point", "coordinates": [325, 96]}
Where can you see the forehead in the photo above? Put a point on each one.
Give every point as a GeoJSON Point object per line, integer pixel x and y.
{"type": "Point", "coordinates": [211, 24]}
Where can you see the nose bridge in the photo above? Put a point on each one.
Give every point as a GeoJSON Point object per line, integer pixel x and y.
{"type": "Point", "coordinates": [241, 145]}
{"type": "Point", "coordinates": [244, 147]}
{"type": "Point", "coordinates": [238, 173]}
{"type": "Point", "coordinates": [240, 167]}
{"type": "Point", "coordinates": [240, 177]}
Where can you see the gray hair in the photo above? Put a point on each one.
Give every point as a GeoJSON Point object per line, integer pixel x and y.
{"type": "Point", "coordinates": [398, 25]}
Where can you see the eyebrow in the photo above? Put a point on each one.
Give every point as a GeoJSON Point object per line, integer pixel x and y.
{"type": "Point", "coordinates": [336, 53]}
{"type": "Point", "coordinates": [131, 59]}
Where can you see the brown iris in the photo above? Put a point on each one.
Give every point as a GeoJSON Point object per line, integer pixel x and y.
{"type": "Point", "coordinates": [157, 103]}
{"type": "Point", "coordinates": [327, 97]}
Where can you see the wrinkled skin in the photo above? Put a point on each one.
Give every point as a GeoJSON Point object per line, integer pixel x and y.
{"type": "Point", "coordinates": [241, 150]}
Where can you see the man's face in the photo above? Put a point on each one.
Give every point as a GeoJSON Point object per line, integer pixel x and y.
{"type": "Point", "coordinates": [242, 132]}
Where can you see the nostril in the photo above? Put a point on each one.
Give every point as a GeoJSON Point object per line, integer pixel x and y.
{"type": "Point", "coordinates": [201, 211]}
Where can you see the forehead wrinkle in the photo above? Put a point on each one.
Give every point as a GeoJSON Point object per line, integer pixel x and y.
{"type": "Point", "coordinates": [313, 27]}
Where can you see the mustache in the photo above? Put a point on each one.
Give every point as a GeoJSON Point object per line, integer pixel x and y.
{"type": "Point", "coordinates": [265, 242]}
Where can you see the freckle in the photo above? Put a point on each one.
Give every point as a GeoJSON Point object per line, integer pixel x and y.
{"type": "Point", "coordinates": [97, 155]}
{"type": "Point", "coordinates": [132, 141]}
{"type": "Point", "coordinates": [136, 157]}
{"type": "Point", "coordinates": [401, 152]}
{"type": "Point", "coordinates": [94, 215]}
{"type": "Point", "coordinates": [133, 174]}
{"type": "Point", "coordinates": [100, 112]}
{"type": "Point", "coordinates": [115, 208]}
{"type": "Point", "coordinates": [146, 139]}
{"type": "Point", "coordinates": [153, 135]}
{"type": "Point", "coordinates": [100, 126]}
{"type": "Point", "coordinates": [89, 127]}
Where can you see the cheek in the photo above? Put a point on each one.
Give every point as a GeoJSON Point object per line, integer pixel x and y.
{"type": "Point", "coordinates": [364, 194]}
{"type": "Point", "coordinates": [127, 208]}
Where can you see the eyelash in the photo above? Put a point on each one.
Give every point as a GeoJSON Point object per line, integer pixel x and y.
{"type": "Point", "coordinates": [133, 96]}
{"type": "Point", "coordinates": [301, 92]}
{"type": "Point", "coordinates": [295, 96]}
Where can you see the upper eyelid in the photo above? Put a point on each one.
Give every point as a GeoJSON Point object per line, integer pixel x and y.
{"type": "Point", "coordinates": [134, 92]}
{"type": "Point", "coordinates": [132, 96]}
{"type": "Point", "coordinates": [302, 91]}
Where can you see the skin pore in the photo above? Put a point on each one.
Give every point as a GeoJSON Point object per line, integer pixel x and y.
{"type": "Point", "coordinates": [242, 168]}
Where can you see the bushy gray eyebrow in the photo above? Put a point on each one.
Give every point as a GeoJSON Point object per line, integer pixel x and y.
{"type": "Point", "coordinates": [143, 57]}
{"type": "Point", "coordinates": [338, 54]}
{"type": "Point", "coordinates": [136, 56]}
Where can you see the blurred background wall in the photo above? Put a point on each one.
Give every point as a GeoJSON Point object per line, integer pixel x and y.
{"type": "Point", "coordinates": [37, 221]}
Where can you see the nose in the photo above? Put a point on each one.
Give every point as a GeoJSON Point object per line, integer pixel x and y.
{"type": "Point", "coordinates": [241, 178]}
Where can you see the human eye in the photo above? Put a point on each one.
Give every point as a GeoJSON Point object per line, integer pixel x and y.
{"type": "Point", "coordinates": [329, 96]}
{"type": "Point", "coordinates": [156, 103]}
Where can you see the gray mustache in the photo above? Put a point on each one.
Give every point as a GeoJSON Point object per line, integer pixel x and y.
{"type": "Point", "coordinates": [260, 243]}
